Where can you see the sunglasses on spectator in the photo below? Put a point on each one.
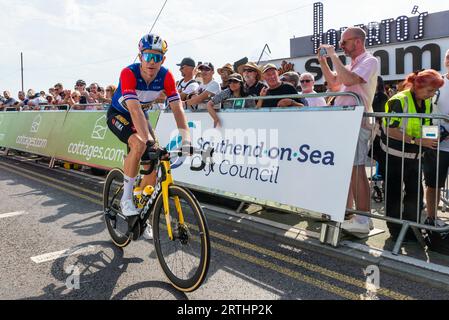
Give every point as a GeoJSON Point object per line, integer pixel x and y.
{"type": "Point", "coordinates": [148, 56]}
{"type": "Point", "coordinates": [204, 69]}
{"type": "Point", "coordinates": [233, 81]}
{"type": "Point", "coordinates": [249, 70]}
{"type": "Point", "coordinates": [306, 81]}
{"type": "Point", "coordinates": [343, 43]}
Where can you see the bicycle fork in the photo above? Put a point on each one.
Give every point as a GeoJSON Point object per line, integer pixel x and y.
{"type": "Point", "coordinates": [165, 197]}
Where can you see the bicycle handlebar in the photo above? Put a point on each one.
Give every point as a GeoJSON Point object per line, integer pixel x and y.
{"type": "Point", "coordinates": [189, 151]}
{"type": "Point", "coordinates": [159, 154]}
{"type": "Point", "coordinates": [205, 155]}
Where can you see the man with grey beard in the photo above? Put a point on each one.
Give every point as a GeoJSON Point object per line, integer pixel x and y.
{"type": "Point", "coordinates": [251, 76]}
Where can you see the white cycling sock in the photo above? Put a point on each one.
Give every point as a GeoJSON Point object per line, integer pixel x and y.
{"type": "Point", "coordinates": [128, 185]}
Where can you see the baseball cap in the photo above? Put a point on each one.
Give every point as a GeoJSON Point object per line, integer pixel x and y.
{"type": "Point", "coordinates": [268, 67]}
{"type": "Point", "coordinates": [236, 76]}
{"type": "Point", "coordinates": [207, 65]}
{"type": "Point", "coordinates": [187, 62]}
{"type": "Point", "coordinates": [81, 83]}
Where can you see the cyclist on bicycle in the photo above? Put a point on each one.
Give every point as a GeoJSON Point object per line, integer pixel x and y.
{"type": "Point", "coordinates": [140, 84]}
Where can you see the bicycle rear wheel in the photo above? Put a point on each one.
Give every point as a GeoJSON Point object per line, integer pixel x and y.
{"type": "Point", "coordinates": [112, 193]}
{"type": "Point", "coordinates": [185, 259]}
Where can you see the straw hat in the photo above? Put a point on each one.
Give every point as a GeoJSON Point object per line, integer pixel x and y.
{"type": "Point", "coordinates": [250, 65]}
{"type": "Point", "coordinates": [226, 67]}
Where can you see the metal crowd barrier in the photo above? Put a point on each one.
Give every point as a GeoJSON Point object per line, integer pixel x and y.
{"type": "Point", "coordinates": [41, 107]}
{"type": "Point", "coordinates": [64, 107]}
{"type": "Point", "coordinates": [310, 95]}
{"type": "Point", "coordinates": [445, 196]}
{"type": "Point", "coordinates": [417, 224]}
{"type": "Point", "coordinates": [89, 107]}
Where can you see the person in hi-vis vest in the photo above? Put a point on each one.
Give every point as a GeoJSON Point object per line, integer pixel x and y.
{"type": "Point", "coordinates": [402, 139]}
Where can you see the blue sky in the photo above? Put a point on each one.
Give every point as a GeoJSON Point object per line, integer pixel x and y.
{"type": "Point", "coordinates": [66, 40]}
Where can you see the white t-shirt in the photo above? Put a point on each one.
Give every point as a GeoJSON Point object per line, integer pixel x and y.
{"type": "Point", "coordinates": [442, 107]}
{"type": "Point", "coordinates": [58, 99]}
{"type": "Point", "coordinates": [316, 102]}
{"type": "Point", "coordinates": [38, 101]}
{"type": "Point", "coordinates": [192, 87]}
{"type": "Point", "coordinates": [213, 87]}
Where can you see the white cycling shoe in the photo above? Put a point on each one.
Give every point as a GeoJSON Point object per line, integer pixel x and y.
{"type": "Point", "coordinates": [128, 208]}
{"type": "Point", "coordinates": [357, 225]}
{"type": "Point", "coordinates": [148, 233]}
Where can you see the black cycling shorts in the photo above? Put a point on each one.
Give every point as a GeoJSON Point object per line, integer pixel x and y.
{"type": "Point", "coordinates": [430, 168]}
{"type": "Point", "coordinates": [121, 125]}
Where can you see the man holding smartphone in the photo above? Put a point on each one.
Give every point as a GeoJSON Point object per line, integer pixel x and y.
{"type": "Point", "coordinates": [359, 77]}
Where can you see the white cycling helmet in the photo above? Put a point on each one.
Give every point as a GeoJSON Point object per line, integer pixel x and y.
{"type": "Point", "coordinates": [153, 42]}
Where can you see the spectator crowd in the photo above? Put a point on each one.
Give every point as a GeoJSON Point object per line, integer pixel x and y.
{"type": "Point", "coordinates": [80, 98]}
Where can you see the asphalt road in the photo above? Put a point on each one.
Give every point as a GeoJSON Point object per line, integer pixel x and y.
{"type": "Point", "coordinates": [55, 211]}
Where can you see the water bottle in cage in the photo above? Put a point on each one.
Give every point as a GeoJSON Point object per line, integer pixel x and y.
{"type": "Point", "coordinates": [146, 193]}
{"type": "Point", "coordinates": [137, 192]}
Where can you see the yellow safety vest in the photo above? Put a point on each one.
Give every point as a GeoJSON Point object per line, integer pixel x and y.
{"type": "Point", "coordinates": [413, 125]}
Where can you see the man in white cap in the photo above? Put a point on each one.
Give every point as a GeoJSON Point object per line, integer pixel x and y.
{"type": "Point", "coordinates": [206, 90]}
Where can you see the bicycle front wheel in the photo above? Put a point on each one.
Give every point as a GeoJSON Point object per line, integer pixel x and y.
{"type": "Point", "coordinates": [112, 193]}
{"type": "Point", "coordinates": [184, 259]}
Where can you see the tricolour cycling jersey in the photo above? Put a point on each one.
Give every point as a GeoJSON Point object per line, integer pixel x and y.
{"type": "Point", "coordinates": [133, 87]}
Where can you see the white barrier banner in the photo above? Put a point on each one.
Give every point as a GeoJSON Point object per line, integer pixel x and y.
{"type": "Point", "coordinates": [298, 158]}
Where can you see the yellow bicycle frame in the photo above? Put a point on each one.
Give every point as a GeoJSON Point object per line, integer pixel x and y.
{"type": "Point", "coordinates": [165, 197]}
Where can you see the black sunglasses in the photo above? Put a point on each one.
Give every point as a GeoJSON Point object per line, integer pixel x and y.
{"type": "Point", "coordinates": [306, 81]}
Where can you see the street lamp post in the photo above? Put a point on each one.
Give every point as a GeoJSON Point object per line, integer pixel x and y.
{"type": "Point", "coordinates": [21, 68]}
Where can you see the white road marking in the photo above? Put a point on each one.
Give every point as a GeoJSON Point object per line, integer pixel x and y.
{"type": "Point", "coordinates": [63, 253]}
{"type": "Point", "coordinates": [12, 214]}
